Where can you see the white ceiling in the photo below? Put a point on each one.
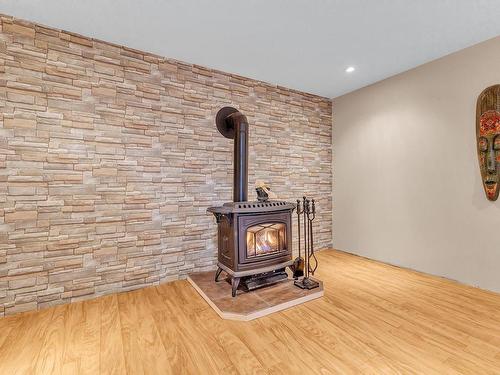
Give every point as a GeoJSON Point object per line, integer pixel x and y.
{"type": "Point", "coordinates": [301, 44]}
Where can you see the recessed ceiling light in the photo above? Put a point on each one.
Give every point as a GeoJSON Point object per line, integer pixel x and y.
{"type": "Point", "coordinates": [350, 69]}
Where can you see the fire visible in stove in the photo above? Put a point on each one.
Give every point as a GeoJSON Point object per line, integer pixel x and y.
{"type": "Point", "coordinates": [265, 239]}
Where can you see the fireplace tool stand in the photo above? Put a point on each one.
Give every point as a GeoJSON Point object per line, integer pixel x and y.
{"type": "Point", "coordinates": [308, 211]}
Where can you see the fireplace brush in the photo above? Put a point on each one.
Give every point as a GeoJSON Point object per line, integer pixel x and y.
{"type": "Point", "coordinates": [308, 213]}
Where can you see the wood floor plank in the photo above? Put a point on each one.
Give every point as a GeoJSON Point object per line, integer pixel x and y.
{"type": "Point", "coordinates": [50, 356]}
{"type": "Point", "coordinates": [143, 348]}
{"type": "Point", "coordinates": [82, 326]}
{"type": "Point", "coordinates": [19, 356]}
{"type": "Point", "coordinates": [112, 359]}
{"type": "Point", "coordinates": [181, 338]}
{"type": "Point", "coordinates": [7, 325]}
{"type": "Point", "coordinates": [374, 319]}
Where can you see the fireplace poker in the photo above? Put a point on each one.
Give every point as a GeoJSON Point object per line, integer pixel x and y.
{"type": "Point", "coordinates": [298, 263]}
{"type": "Point", "coordinates": [306, 229]}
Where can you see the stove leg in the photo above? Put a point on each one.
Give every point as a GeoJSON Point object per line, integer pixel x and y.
{"type": "Point", "coordinates": [217, 274]}
{"type": "Point", "coordinates": [235, 281]}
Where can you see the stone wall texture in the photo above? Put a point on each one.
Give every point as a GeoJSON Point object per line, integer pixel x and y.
{"type": "Point", "coordinates": [109, 158]}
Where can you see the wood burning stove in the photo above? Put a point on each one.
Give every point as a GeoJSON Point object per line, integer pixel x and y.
{"type": "Point", "coordinates": [254, 238]}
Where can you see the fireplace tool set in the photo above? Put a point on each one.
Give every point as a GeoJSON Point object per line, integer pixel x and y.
{"type": "Point", "coordinates": [304, 267]}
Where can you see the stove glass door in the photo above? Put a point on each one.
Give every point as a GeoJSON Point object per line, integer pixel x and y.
{"type": "Point", "coordinates": [265, 239]}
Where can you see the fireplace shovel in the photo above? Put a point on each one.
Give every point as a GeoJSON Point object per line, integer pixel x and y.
{"type": "Point", "coordinates": [298, 263]}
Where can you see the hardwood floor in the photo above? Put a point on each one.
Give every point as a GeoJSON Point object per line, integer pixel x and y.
{"type": "Point", "coordinates": [373, 319]}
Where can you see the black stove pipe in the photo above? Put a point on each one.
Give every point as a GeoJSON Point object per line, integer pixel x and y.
{"type": "Point", "coordinates": [240, 177]}
{"type": "Point", "coordinates": [232, 124]}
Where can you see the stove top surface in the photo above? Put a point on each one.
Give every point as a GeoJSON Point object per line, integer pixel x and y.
{"type": "Point", "coordinates": [252, 207]}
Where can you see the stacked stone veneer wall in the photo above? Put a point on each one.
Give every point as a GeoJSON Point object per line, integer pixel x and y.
{"type": "Point", "coordinates": [109, 158]}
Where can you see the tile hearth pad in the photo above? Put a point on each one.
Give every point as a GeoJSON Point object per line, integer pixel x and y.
{"type": "Point", "coordinates": [250, 305]}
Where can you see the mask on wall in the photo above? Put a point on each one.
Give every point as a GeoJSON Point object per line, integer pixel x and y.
{"type": "Point", "coordinates": [488, 139]}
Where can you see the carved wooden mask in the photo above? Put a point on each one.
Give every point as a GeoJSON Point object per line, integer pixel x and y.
{"type": "Point", "coordinates": [488, 139]}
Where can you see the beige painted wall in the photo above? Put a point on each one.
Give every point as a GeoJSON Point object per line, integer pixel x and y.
{"type": "Point", "coordinates": [407, 185]}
